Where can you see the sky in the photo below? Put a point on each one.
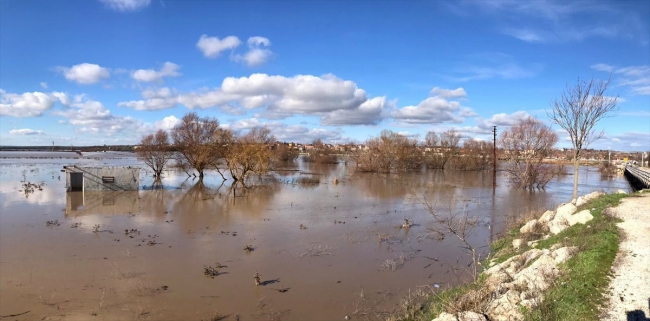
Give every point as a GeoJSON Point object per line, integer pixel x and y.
{"type": "Point", "coordinates": [96, 72]}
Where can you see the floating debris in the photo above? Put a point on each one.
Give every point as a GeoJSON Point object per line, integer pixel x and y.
{"type": "Point", "coordinates": [257, 277]}
{"type": "Point", "coordinates": [52, 223]}
{"type": "Point", "coordinates": [302, 227]}
{"type": "Point", "coordinates": [76, 225]}
{"type": "Point", "coordinates": [249, 248]}
{"type": "Point", "coordinates": [96, 228]}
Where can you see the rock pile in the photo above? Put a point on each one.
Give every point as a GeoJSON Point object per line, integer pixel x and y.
{"type": "Point", "coordinates": [522, 279]}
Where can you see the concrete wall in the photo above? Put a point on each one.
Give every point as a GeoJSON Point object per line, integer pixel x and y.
{"type": "Point", "coordinates": [126, 178]}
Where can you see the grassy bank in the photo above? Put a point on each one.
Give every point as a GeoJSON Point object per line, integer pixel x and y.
{"type": "Point", "coordinates": [576, 294]}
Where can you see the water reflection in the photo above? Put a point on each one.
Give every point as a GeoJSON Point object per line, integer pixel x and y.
{"type": "Point", "coordinates": [101, 203]}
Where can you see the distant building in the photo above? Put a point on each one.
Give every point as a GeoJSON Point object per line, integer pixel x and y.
{"type": "Point", "coordinates": [104, 178]}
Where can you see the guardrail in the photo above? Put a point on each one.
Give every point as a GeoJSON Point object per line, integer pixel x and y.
{"type": "Point", "coordinates": [640, 174]}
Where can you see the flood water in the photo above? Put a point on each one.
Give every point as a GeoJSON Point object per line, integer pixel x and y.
{"type": "Point", "coordinates": [349, 258]}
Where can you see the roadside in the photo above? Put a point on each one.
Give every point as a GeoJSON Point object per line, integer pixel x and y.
{"type": "Point", "coordinates": [629, 297]}
{"type": "Point", "coordinates": [558, 266]}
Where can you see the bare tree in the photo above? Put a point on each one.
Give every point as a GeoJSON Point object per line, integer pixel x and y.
{"type": "Point", "coordinates": [525, 146]}
{"type": "Point", "coordinates": [577, 111]}
{"type": "Point", "coordinates": [155, 152]}
{"type": "Point", "coordinates": [250, 153]}
{"type": "Point", "coordinates": [447, 148]}
{"type": "Point", "coordinates": [196, 140]}
{"type": "Point", "coordinates": [389, 152]}
{"type": "Point", "coordinates": [321, 153]}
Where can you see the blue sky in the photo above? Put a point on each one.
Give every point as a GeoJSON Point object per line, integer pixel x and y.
{"type": "Point", "coordinates": [109, 71]}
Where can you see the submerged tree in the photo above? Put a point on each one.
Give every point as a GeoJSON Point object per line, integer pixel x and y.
{"type": "Point", "coordinates": [250, 154]}
{"type": "Point", "coordinates": [525, 146]}
{"type": "Point", "coordinates": [388, 153]}
{"type": "Point", "coordinates": [155, 152]}
{"type": "Point", "coordinates": [197, 142]}
{"type": "Point", "coordinates": [577, 111]}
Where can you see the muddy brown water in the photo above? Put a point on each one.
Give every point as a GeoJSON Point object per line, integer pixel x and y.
{"type": "Point", "coordinates": [328, 269]}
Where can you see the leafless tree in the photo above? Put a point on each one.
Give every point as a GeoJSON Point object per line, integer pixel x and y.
{"type": "Point", "coordinates": [388, 153]}
{"type": "Point", "coordinates": [283, 153]}
{"type": "Point", "coordinates": [250, 154]}
{"type": "Point", "coordinates": [155, 152]}
{"type": "Point", "coordinates": [197, 142]}
{"type": "Point", "coordinates": [475, 155]}
{"type": "Point", "coordinates": [443, 148]}
{"type": "Point", "coordinates": [577, 111]}
{"type": "Point", "coordinates": [525, 145]}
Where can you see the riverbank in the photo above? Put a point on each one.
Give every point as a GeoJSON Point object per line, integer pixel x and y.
{"type": "Point", "coordinates": [555, 267]}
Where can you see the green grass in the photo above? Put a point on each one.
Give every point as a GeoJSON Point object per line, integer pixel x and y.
{"type": "Point", "coordinates": [578, 292]}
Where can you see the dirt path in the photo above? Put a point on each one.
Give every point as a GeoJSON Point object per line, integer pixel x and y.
{"type": "Point", "coordinates": [630, 287]}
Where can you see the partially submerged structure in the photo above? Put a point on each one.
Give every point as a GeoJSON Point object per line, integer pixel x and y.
{"type": "Point", "coordinates": [101, 178]}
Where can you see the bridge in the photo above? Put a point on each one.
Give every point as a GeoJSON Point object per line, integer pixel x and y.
{"type": "Point", "coordinates": [639, 176]}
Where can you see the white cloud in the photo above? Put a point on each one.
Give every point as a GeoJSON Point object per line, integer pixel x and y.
{"type": "Point", "coordinates": [26, 132]}
{"type": "Point", "coordinates": [155, 99]}
{"type": "Point", "coordinates": [167, 123]}
{"type": "Point", "coordinates": [169, 69]}
{"type": "Point", "coordinates": [257, 53]}
{"type": "Point", "coordinates": [126, 5]}
{"type": "Point", "coordinates": [91, 116]}
{"type": "Point", "coordinates": [433, 110]}
{"type": "Point", "coordinates": [85, 73]}
{"type": "Point", "coordinates": [448, 93]}
{"type": "Point", "coordinates": [637, 78]}
{"type": "Point", "coordinates": [213, 46]}
{"type": "Point", "coordinates": [502, 119]}
{"type": "Point", "coordinates": [334, 100]}
{"type": "Point", "coordinates": [524, 34]}
{"type": "Point", "coordinates": [29, 104]}
{"type": "Point", "coordinates": [291, 133]}
{"type": "Point", "coordinates": [43, 85]}
{"type": "Point", "coordinates": [494, 65]}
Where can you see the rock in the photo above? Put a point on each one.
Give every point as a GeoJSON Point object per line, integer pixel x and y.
{"type": "Point", "coordinates": [505, 308]}
{"type": "Point", "coordinates": [528, 227]}
{"type": "Point", "coordinates": [581, 217]}
{"type": "Point", "coordinates": [470, 316]}
{"type": "Point", "coordinates": [556, 226]}
{"type": "Point", "coordinates": [335, 180]}
{"type": "Point", "coordinates": [517, 243]}
{"type": "Point", "coordinates": [545, 237]}
{"type": "Point", "coordinates": [532, 243]}
{"type": "Point", "coordinates": [564, 253]}
{"type": "Point", "coordinates": [555, 246]}
{"type": "Point", "coordinates": [445, 317]}
{"type": "Point", "coordinates": [546, 217]}
{"type": "Point", "coordinates": [564, 211]}
{"type": "Point", "coordinates": [537, 276]}
{"type": "Point", "coordinates": [620, 191]}
{"type": "Point", "coordinates": [586, 198]}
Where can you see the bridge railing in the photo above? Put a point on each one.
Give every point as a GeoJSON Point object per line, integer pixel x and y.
{"type": "Point", "coordinates": [639, 173]}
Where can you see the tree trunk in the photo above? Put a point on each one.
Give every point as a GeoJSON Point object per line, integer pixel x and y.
{"type": "Point", "coordinates": [576, 163]}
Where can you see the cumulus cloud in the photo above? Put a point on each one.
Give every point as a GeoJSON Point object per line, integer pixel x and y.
{"type": "Point", "coordinates": [637, 78]}
{"type": "Point", "coordinates": [502, 119]}
{"type": "Point", "coordinates": [84, 73]}
{"type": "Point", "coordinates": [169, 69]}
{"type": "Point", "coordinates": [167, 123]}
{"type": "Point", "coordinates": [448, 93]}
{"type": "Point", "coordinates": [436, 109]}
{"type": "Point", "coordinates": [257, 53]}
{"type": "Point", "coordinates": [291, 133]}
{"type": "Point", "coordinates": [334, 100]}
{"type": "Point", "coordinates": [213, 46]}
{"type": "Point", "coordinates": [91, 116]}
{"type": "Point", "coordinates": [126, 5]}
{"type": "Point", "coordinates": [29, 104]}
{"type": "Point", "coordinates": [26, 132]}
{"type": "Point", "coordinates": [155, 99]}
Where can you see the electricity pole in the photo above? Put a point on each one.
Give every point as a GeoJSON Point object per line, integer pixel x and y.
{"type": "Point", "coordinates": [494, 160]}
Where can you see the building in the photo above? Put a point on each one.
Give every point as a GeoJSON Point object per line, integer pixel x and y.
{"type": "Point", "coordinates": [104, 178]}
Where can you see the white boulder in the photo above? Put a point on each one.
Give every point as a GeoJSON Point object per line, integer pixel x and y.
{"type": "Point", "coordinates": [445, 317]}
{"type": "Point", "coordinates": [528, 227]}
{"type": "Point", "coordinates": [581, 217]}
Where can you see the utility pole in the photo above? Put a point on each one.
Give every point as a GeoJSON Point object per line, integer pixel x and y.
{"type": "Point", "coordinates": [494, 160]}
